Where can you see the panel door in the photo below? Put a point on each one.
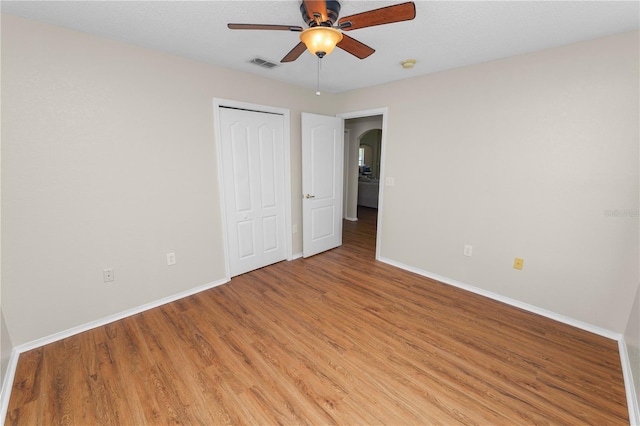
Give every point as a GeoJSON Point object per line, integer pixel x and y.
{"type": "Point", "coordinates": [253, 174]}
{"type": "Point", "coordinates": [322, 174]}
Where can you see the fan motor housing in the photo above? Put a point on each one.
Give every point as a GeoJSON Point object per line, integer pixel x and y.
{"type": "Point", "coordinates": [333, 11]}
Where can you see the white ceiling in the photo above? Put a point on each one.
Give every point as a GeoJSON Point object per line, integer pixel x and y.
{"type": "Point", "coordinates": [444, 35]}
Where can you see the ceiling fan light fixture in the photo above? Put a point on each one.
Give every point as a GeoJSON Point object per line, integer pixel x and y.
{"type": "Point", "coordinates": [321, 40]}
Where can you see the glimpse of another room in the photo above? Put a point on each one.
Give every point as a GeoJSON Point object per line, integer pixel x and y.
{"type": "Point", "coordinates": [369, 168]}
{"type": "Point", "coordinates": [363, 155]}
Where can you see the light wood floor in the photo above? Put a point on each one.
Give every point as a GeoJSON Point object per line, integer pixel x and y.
{"type": "Point", "coordinates": [335, 339]}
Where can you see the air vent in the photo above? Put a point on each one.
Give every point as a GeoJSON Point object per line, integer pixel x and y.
{"type": "Point", "coordinates": [263, 63]}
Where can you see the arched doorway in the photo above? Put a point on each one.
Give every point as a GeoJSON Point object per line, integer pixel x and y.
{"type": "Point", "coordinates": [364, 137]}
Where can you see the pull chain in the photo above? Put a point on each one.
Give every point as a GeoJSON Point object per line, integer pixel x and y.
{"type": "Point", "coordinates": [318, 79]}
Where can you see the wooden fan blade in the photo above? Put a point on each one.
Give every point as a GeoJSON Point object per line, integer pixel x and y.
{"type": "Point", "coordinates": [384, 15]}
{"type": "Point", "coordinates": [316, 6]}
{"type": "Point", "coordinates": [294, 53]}
{"type": "Point", "coordinates": [264, 27]}
{"type": "Point", "coordinates": [353, 46]}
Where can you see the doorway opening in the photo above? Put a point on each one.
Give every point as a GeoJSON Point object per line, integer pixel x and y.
{"type": "Point", "coordinates": [365, 134]}
{"type": "Point", "coordinates": [363, 149]}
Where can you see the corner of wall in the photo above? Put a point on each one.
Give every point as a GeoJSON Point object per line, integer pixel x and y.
{"type": "Point", "coordinates": [630, 359]}
{"type": "Point", "coordinates": [9, 358]}
{"type": "Point", "coordinates": [630, 384]}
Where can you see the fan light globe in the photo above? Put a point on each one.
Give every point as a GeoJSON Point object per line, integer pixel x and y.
{"type": "Point", "coordinates": [321, 40]}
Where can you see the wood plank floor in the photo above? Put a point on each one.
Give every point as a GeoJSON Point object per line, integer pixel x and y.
{"type": "Point", "coordinates": [334, 339]}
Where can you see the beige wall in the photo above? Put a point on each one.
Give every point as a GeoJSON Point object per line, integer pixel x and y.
{"type": "Point", "coordinates": [6, 346]}
{"type": "Point", "coordinates": [109, 161]}
{"type": "Point", "coordinates": [520, 157]}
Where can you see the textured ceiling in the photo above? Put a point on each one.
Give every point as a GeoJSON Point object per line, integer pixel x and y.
{"type": "Point", "coordinates": [444, 34]}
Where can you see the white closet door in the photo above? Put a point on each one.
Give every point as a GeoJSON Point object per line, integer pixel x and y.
{"type": "Point", "coordinates": [253, 174]}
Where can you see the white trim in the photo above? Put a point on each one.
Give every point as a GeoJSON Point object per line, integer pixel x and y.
{"type": "Point", "coordinates": [632, 398]}
{"type": "Point", "coordinates": [7, 384]}
{"type": "Point", "coordinates": [346, 139]}
{"type": "Point", "coordinates": [632, 401]}
{"type": "Point", "coordinates": [219, 102]}
{"type": "Point", "coordinates": [384, 112]}
{"type": "Point", "coordinates": [287, 188]}
{"type": "Point", "coordinates": [223, 214]}
{"type": "Point", "coordinates": [627, 373]}
{"type": "Point", "coordinates": [513, 302]}
{"type": "Point", "coordinates": [115, 317]}
{"type": "Point", "coordinates": [352, 219]}
{"type": "Point", "coordinates": [296, 256]}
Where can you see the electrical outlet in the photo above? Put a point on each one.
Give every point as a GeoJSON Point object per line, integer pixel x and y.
{"type": "Point", "coordinates": [294, 228]}
{"type": "Point", "coordinates": [468, 250]}
{"type": "Point", "coordinates": [171, 259]}
{"type": "Point", "coordinates": [518, 263]}
{"type": "Point", "coordinates": [107, 275]}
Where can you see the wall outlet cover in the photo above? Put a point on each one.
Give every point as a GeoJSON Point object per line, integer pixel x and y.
{"type": "Point", "coordinates": [518, 263]}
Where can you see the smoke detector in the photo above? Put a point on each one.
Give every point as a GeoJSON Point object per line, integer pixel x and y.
{"type": "Point", "coordinates": [408, 63]}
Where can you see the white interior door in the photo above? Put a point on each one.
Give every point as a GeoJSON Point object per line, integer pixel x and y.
{"type": "Point", "coordinates": [322, 170]}
{"type": "Point", "coordinates": [253, 180]}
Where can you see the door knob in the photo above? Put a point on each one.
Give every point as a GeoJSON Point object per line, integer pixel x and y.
{"type": "Point", "coordinates": [309, 196]}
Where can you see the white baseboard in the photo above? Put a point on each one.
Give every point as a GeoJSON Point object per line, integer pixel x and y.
{"type": "Point", "coordinates": [632, 401]}
{"type": "Point", "coordinates": [7, 384]}
{"type": "Point", "coordinates": [296, 256]}
{"type": "Point", "coordinates": [632, 398]}
{"type": "Point", "coordinates": [352, 219]}
{"type": "Point", "coordinates": [627, 372]}
{"type": "Point", "coordinates": [513, 302]}
{"type": "Point", "coordinates": [115, 317]}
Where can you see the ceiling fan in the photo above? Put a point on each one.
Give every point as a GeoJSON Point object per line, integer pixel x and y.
{"type": "Point", "coordinates": [322, 36]}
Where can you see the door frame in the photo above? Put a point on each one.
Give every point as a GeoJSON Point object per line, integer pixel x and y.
{"type": "Point", "coordinates": [217, 104]}
{"type": "Point", "coordinates": [384, 112]}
